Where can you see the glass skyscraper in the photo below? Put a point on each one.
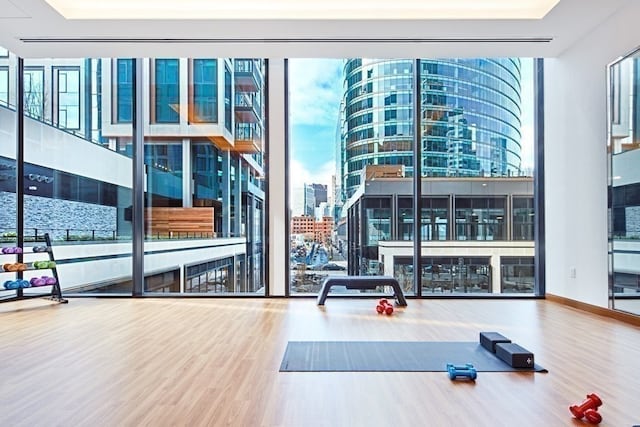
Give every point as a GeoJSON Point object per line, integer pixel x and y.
{"type": "Point", "coordinates": [470, 113]}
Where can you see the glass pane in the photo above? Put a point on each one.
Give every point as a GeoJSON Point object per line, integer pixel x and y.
{"type": "Point", "coordinates": [77, 187]}
{"type": "Point", "coordinates": [319, 227]}
{"type": "Point", "coordinates": [67, 85]}
{"type": "Point", "coordinates": [205, 91]}
{"type": "Point", "coordinates": [204, 198]}
{"type": "Point", "coordinates": [476, 139]}
{"type": "Point", "coordinates": [123, 88]}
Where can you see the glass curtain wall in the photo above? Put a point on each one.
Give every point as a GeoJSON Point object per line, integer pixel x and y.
{"type": "Point", "coordinates": [475, 164]}
{"type": "Point", "coordinates": [204, 196]}
{"type": "Point", "coordinates": [76, 187]}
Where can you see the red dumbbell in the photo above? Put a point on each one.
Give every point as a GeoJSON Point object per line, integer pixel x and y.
{"type": "Point", "coordinates": [588, 409]}
{"type": "Point", "coordinates": [384, 307]}
{"type": "Point", "coordinates": [592, 416]}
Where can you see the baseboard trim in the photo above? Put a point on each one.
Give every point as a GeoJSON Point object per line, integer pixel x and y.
{"type": "Point", "coordinates": [594, 309]}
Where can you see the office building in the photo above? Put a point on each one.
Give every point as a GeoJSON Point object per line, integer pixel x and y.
{"type": "Point", "coordinates": [470, 111]}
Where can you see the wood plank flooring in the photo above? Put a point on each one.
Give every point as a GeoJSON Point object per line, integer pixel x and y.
{"type": "Point", "coordinates": [166, 362]}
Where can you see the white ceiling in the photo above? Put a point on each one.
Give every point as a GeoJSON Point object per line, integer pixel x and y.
{"type": "Point", "coordinates": [32, 28]}
{"type": "Point", "coordinates": [303, 9]}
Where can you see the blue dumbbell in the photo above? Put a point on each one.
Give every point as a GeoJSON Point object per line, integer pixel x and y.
{"type": "Point", "coordinates": [465, 371]}
{"type": "Point", "coordinates": [11, 284]}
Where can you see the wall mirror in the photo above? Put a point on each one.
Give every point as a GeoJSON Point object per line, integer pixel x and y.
{"type": "Point", "coordinates": [624, 183]}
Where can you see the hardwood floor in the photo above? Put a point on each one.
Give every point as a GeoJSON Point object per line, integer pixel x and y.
{"type": "Point", "coordinates": [157, 362]}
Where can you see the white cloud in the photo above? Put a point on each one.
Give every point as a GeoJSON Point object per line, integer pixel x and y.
{"type": "Point", "coordinates": [299, 175]}
{"type": "Point", "coordinates": [315, 91]}
{"type": "Point", "coordinates": [526, 147]}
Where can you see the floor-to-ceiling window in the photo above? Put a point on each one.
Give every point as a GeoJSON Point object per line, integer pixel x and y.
{"type": "Point", "coordinates": [203, 183]}
{"type": "Point", "coordinates": [75, 191]}
{"type": "Point", "coordinates": [356, 134]}
{"type": "Point", "coordinates": [204, 193]}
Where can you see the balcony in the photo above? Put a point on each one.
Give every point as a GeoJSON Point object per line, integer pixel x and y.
{"type": "Point", "coordinates": [247, 75]}
{"type": "Point", "coordinates": [247, 107]}
{"type": "Point", "coordinates": [248, 138]}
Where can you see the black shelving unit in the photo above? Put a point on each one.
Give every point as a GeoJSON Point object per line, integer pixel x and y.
{"type": "Point", "coordinates": [56, 291]}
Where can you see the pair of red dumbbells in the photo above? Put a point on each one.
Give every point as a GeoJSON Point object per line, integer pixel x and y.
{"type": "Point", "coordinates": [384, 307]}
{"type": "Point", "coordinates": [588, 409]}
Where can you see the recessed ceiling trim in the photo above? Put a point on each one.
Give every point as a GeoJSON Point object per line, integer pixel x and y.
{"type": "Point", "coordinates": [302, 9]}
{"type": "Point", "coordinates": [228, 40]}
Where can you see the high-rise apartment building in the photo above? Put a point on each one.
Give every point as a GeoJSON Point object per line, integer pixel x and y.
{"type": "Point", "coordinates": [469, 109]}
{"type": "Point", "coordinates": [203, 131]}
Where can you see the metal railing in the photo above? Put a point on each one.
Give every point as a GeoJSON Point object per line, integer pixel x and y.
{"type": "Point", "coordinates": [8, 235]}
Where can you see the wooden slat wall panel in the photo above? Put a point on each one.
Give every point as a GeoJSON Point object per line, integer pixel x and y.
{"type": "Point", "coordinates": [163, 221]}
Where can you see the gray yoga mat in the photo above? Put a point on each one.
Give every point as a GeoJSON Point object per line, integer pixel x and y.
{"type": "Point", "coordinates": [390, 356]}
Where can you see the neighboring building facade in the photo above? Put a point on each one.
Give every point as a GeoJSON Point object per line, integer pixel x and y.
{"type": "Point", "coordinates": [203, 129]}
{"type": "Point", "coordinates": [203, 134]}
{"type": "Point", "coordinates": [485, 224]}
{"type": "Point", "coordinates": [317, 230]}
{"type": "Point", "coordinates": [470, 112]}
{"type": "Point", "coordinates": [304, 225]}
{"type": "Point", "coordinates": [323, 229]}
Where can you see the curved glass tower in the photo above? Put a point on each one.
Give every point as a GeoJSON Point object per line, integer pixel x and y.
{"type": "Point", "coordinates": [470, 111]}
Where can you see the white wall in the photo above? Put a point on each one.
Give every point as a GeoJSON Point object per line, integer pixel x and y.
{"type": "Point", "coordinates": [575, 159]}
{"type": "Point", "coordinates": [278, 227]}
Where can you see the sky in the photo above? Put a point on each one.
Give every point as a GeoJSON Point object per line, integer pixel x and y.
{"type": "Point", "coordinates": [315, 92]}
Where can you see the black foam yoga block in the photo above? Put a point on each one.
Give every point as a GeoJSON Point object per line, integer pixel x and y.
{"type": "Point", "coordinates": [489, 340]}
{"type": "Point", "coordinates": [514, 355]}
